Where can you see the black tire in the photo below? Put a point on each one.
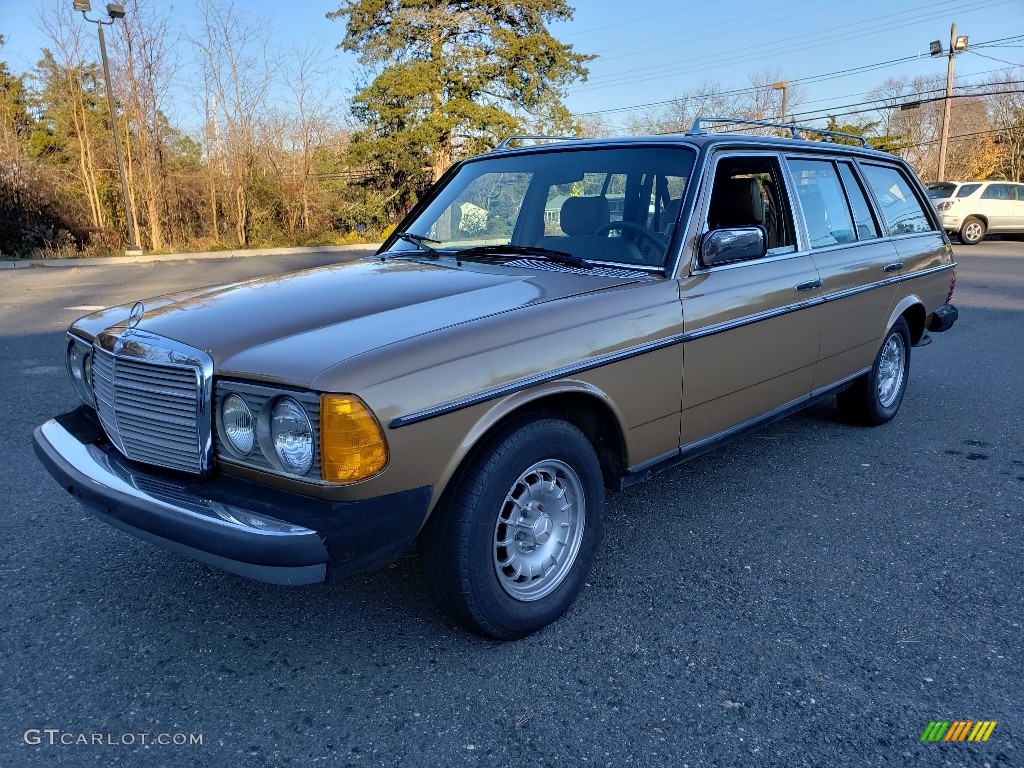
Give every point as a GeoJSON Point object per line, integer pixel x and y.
{"type": "Point", "coordinates": [866, 400]}
{"type": "Point", "coordinates": [462, 544]}
{"type": "Point", "coordinates": [972, 231]}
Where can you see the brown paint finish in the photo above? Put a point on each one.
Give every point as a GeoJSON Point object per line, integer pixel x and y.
{"type": "Point", "coordinates": [442, 351]}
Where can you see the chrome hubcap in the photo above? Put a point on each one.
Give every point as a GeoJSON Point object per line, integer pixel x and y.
{"type": "Point", "coordinates": [973, 231]}
{"type": "Point", "coordinates": [539, 530]}
{"type": "Point", "coordinates": [890, 370]}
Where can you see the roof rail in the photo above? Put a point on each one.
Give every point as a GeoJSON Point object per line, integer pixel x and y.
{"type": "Point", "coordinates": [506, 143]}
{"type": "Point", "coordinates": [698, 129]}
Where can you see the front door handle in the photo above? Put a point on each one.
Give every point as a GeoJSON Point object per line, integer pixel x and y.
{"type": "Point", "coordinates": [896, 266]}
{"type": "Point", "coordinates": [810, 285]}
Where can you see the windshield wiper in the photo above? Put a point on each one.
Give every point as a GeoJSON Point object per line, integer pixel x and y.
{"type": "Point", "coordinates": [560, 257]}
{"type": "Point", "coordinates": [420, 242]}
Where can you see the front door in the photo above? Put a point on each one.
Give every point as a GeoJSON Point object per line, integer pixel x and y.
{"type": "Point", "coordinates": [749, 347]}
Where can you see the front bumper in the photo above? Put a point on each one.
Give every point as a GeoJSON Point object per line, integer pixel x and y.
{"type": "Point", "coordinates": [236, 525]}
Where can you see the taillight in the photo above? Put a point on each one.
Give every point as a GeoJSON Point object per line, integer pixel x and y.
{"type": "Point", "coordinates": [952, 287]}
{"type": "Point", "coordinates": [945, 205]}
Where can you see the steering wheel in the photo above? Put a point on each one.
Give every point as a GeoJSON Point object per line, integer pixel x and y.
{"type": "Point", "coordinates": [628, 225]}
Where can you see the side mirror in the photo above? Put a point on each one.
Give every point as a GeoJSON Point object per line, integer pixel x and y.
{"type": "Point", "coordinates": [724, 246]}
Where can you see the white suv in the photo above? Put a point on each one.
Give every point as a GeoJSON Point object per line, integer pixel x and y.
{"type": "Point", "coordinates": [972, 209]}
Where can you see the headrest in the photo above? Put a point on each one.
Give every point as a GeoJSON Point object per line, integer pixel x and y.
{"type": "Point", "coordinates": [584, 215]}
{"type": "Point", "coordinates": [736, 203]}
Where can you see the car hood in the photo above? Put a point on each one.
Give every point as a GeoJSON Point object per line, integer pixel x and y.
{"type": "Point", "coordinates": [292, 327]}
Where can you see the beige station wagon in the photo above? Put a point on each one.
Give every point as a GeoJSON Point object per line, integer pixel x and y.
{"type": "Point", "coordinates": [551, 322]}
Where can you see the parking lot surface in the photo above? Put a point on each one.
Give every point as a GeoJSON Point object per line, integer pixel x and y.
{"type": "Point", "coordinates": [811, 595]}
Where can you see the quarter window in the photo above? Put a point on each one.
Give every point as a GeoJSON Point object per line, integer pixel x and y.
{"type": "Point", "coordinates": [967, 190]}
{"type": "Point", "coordinates": [901, 209]}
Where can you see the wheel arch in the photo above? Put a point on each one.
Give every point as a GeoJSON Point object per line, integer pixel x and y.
{"type": "Point", "coordinates": [911, 308]}
{"type": "Point", "coordinates": [581, 404]}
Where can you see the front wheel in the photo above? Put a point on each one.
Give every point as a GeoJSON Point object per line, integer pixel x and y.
{"type": "Point", "coordinates": [508, 549]}
{"type": "Point", "coordinates": [875, 397]}
{"type": "Point", "coordinates": [973, 231]}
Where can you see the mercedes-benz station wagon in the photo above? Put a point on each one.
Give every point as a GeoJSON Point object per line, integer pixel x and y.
{"type": "Point", "coordinates": [555, 320]}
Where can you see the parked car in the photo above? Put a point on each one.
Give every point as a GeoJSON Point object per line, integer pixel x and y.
{"type": "Point", "coordinates": [972, 209]}
{"type": "Point", "coordinates": [483, 381]}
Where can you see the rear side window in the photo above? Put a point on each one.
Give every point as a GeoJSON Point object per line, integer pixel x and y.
{"type": "Point", "coordinates": [967, 190]}
{"type": "Point", "coordinates": [901, 209]}
{"type": "Point", "coordinates": [821, 197]}
{"type": "Point", "coordinates": [866, 226]}
{"type": "Point", "coordinates": [996, 192]}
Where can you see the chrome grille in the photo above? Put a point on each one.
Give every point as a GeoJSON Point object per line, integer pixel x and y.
{"type": "Point", "coordinates": [149, 410]}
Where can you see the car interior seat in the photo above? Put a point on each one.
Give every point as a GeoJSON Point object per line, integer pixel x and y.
{"type": "Point", "coordinates": [736, 203]}
{"type": "Point", "coordinates": [579, 219]}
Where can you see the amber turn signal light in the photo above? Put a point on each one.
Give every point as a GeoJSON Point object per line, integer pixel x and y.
{"type": "Point", "coordinates": [352, 444]}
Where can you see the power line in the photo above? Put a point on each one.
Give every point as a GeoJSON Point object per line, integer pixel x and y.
{"type": "Point", "coordinates": [782, 45]}
{"type": "Point", "coordinates": [802, 80]}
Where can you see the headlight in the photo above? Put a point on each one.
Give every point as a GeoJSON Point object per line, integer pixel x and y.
{"type": "Point", "coordinates": [239, 426]}
{"type": "Point", "coordinates": [79, 365]}
{"type": "Point", "coordinates": [352, 444]}
{"type": "Point", "coordinates": [292, 436]}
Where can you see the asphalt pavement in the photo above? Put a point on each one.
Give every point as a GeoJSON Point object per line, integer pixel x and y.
{"type": "Point", "coordinates": [811, 595]}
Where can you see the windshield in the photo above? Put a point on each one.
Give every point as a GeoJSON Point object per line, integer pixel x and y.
{"type": "Point", "coordinates": [603, 205]}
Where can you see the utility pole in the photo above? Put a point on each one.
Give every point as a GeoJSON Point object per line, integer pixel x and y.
{"type": "Point", "coordinates": [956, 45]}
{"type": "Point", "coordinates": [114, 11]}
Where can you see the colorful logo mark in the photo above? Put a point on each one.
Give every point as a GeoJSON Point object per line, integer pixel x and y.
{"type": "Point", "coordinates": [958, 730]}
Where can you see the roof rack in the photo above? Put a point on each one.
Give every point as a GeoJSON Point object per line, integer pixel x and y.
{"type": "Point", "coordinates": [506, 143]}
{"type": "Point", "coordinates": [698, 129]}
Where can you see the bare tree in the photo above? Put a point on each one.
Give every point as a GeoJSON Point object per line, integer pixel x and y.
{"type": "Point", "coordinates": [147, 64]}
{"type": "Point", "coordinates": [71, 112]}
{"type": "Point", "coordinates": [238, 72]}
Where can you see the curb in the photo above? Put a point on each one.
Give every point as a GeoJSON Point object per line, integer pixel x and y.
{"type": "Point", "coordinates": [112, 261]}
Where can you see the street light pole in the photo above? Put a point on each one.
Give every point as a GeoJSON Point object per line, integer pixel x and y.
{"type": "Point", "coordinates": [114, 11]}
{"type": "Point", "coordinates": [783, 86]}
{"type": "Point", "coordinates": [956, 45]}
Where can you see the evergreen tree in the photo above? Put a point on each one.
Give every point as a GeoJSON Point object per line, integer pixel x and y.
{"type": "Point", "coordinates": [449, 78]}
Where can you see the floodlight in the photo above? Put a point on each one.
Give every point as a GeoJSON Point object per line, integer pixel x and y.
{"type": "Point", "coordinates": [115, 11]}
{"type": "Point", "coordinates": [961, 43]}
{"type": "Point", "coordinates": [935, 47]}
{"type": "Point", "coordinates": [83, 5]}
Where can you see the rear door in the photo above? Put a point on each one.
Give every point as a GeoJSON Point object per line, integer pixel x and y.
{"type": "Point", "coordinates": [856, 264]}
{"type": "Point", "coordinates": [998, 205]}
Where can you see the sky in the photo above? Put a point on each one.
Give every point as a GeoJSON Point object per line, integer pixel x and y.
{"type": "Point", "coordinates": [651, 51]}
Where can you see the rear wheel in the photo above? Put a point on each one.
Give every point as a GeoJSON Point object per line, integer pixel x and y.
{"type": "Point", "coordinates": [508, 549]}
{"type": "Point", "coordinates": [972, 231]}
{"type": "Point", "coordinates": [875, 397]}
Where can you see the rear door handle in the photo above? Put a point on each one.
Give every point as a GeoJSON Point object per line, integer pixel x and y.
{"type": "Point", "coordinates": [896, 266]}
{"type": "Point", "coordinates": [810, 285]}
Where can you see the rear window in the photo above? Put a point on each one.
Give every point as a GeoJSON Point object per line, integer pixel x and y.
{"type": "Point", "coordinates": [901, 209]}
{"type": "Point", "coordinates": [940, 190]}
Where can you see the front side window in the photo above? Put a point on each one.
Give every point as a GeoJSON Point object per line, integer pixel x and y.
{"type": "Point", "coordinates": [901, 209]}
{"type": "Point", "coordinates": [748, 192]}
{"type": "Point", "coordinates": [617, 205]}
